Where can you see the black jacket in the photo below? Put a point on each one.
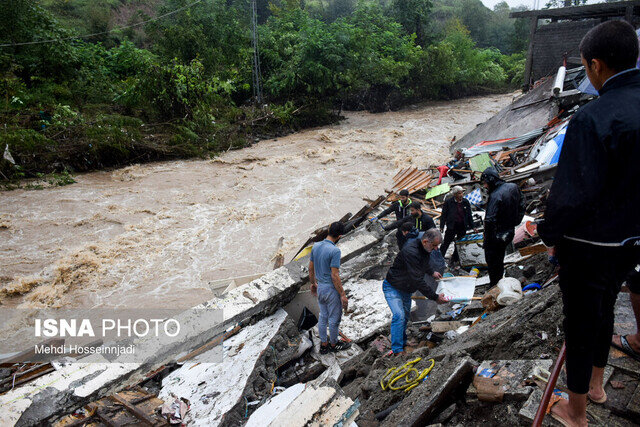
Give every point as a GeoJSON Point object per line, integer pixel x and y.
{"type": "Point", "coordinates": [449, 213]}
{"type": "Point", "coordinates": [595, 195]}
{"type": "Point", "coordinates": [409, 268]}
{"type": "Point", "coordinates": [423, 223]}
{"type": "Point", "coordinates": [400, 209]}
{"type": "Point", "coordinates": [505, 210]}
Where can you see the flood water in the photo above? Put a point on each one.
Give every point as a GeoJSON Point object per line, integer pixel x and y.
{"type": "Point", "coordinates": [158, 235]}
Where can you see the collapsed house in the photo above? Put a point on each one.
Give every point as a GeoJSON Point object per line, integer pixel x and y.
{"type": "Point", "coordinates": [482, 360]}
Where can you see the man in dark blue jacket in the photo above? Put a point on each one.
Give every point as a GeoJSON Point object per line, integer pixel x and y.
{"type": "Point", "coordinates": [505, 210]}
{"type": "Point", "coordinates": [591, 221]}
{"type": "Point", "coordinates": [406, 276]}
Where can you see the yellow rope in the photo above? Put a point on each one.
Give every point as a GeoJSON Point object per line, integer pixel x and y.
{"type": "Point", "coordinates": [412, 377]}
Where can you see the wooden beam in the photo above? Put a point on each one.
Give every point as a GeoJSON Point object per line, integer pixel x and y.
{"type": "Point", "coordinates": [136, 412]}
{"type": "Point", "coordinates": [529, 64]}
{"type": "Point", "coordinates": [29, 355]}
{"type": "Point", "coordinates": [532, 250]}
{"type": "Point", "coordinates": [103, 417]}
{"type": "Point", "coordinates": [210, 344]}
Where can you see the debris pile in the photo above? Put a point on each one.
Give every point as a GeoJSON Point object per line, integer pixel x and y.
{"type": "Point", "coordinates": [482, 358]}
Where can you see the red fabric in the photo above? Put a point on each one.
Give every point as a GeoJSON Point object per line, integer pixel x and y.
{"type": "Point", "coordinates": [444, 170]}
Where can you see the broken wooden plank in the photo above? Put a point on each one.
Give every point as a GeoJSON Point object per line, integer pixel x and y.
{"type": "Point", "coordinates": [144, 418]}
{"type": "Point", "coordinates": [278, 259]}
{"type": "Point", "coordinates": [29, 354]}
{"type": "Point", "coordinates": [105, 419]}
{"type": "Point", "coordinates": [532, 250]}
{"type": "Point", "coordinates": [44, 371]}
{"type": "Point", "coordinates": [210, 344]}
{"type": "Point", "coordinates": [444, 326]}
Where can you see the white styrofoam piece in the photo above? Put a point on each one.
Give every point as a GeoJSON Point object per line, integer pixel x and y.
{"type": "Point", "coordinates": [368, 309]}
{"type": "Point", "coordinates": [268, 412]}
{"type": "Point", "coordinates": [214, 388]}
{"type": "Point", "coordinates": [461, 287]}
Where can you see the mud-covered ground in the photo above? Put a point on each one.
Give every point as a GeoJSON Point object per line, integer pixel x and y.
{"type": "Point", "coordinates": [160, 235]}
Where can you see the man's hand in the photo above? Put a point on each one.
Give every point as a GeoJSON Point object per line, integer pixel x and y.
{"type": "Point", "coordinates": [345, 302]}
{"type": "Point", "coordinates": [552, 257]}
{"type": "Point", "coordinates": [437, 275]}
{"type": "Point", "coordinates": [442, 299]}
{"type": "Point", "coordinates": [314, 289]}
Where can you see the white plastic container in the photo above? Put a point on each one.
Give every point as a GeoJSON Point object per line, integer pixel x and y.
{"type": "Point", "coordinates": [510, 291]}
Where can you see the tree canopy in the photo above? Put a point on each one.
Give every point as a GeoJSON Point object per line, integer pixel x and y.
{"type": "Point", "coordinates": [168, 78]}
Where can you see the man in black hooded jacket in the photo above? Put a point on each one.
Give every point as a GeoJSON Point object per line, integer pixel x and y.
{"type": "Point", "coordinates": [505, 210]}
{"type": "Point", "coordinates": [456, 215]}
{"type": "Point", "coordinates": [591, 221]}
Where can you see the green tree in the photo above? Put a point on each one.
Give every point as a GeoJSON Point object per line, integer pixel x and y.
{"type": "Point", "coordinates": [211, 31]}
{"type": "Point", "coordinates": [413, 15]}
{"type": "Point", "coordinates": [24, 21]}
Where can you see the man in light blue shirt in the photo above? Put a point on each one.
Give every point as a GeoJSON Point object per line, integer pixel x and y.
{"type": "Point", "coordinates": [325, 281]}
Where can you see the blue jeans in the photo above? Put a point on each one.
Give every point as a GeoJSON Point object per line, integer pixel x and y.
{"type": "Point", "coordinates": [400, 305]}
{"type": "Point", "coordinates": [330, 313]}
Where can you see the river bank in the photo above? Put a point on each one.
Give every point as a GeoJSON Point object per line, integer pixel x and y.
{"type": "Point", "coordinates": [159, 234]}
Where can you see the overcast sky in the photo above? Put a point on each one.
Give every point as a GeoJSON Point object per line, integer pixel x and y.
{"type": "Point", "coordinates": [512, 3]}
{"type": "Point", "coordinates": [529, 3]}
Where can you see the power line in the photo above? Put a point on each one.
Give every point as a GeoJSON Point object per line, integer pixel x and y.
{"type": "Point", "coordinates": [180, 9]}
{"type": "Point", "coordinates": [257, 87]}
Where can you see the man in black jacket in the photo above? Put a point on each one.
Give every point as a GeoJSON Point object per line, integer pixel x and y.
{"type": "Point", "coordinates": [406, 276]}
{"type": "Point", "coordinates": [420, 220]}
{"type": "Point", "coordinates": [591, 219]}
{"type": "Point", "coordinates": [456, 215]}
{"type": "Point", "coordinates": [505, 210]}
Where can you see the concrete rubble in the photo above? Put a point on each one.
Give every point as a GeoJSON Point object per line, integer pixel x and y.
{"type": "Point", "coordinates": [219, 399]}
{"type": "Point", "coordinates": [488, 359]}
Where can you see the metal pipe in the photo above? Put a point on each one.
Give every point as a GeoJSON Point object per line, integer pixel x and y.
{"type": "Point", "coordinates": [558, 85]}
{"type": "Point", "coordinates": [548, 391]}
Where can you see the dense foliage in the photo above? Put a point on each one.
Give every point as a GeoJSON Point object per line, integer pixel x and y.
{"type": "Point", "coordinates": [182, 85]}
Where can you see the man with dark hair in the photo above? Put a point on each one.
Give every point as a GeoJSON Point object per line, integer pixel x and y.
{"type": "Point", "coordinates": [591, 221]}
{"type": "Point", "coordinates": [406, 276]}
{"type": "Point", "coordinates": [408, 232]}
{"type": "Point", "coordinates": [324, 276]}
{"type": "Point", "coordinates": [400, 207]}
{"type": "Point", "coordinates": [505, 210]}
{"type": "Point", "coordinates": [418, 219]}
{"type": "Point", "coordinates": [456, 215]}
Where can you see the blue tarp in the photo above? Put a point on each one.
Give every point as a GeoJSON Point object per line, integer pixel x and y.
{"type": "Point", "coordinates": [559, 141]}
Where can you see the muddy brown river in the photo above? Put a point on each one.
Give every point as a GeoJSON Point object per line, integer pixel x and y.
{"type": "Point", "coordinates": [162, 234]}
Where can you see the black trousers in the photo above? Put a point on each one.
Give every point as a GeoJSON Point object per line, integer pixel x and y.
{"type": "Point", "coordinates": [590, 280]}
{"type": "Point", "coordinates": [451, 235]}
{"type": "Point", "coordinates": [494, 255]}
{"type": "Point", "coordinates": [400, 238]}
